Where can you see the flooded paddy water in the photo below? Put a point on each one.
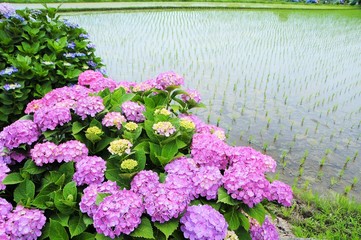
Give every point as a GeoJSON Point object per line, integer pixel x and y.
{"type": "Point", "coordinates": [287, 83]}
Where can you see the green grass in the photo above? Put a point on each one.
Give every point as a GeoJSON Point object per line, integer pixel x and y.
{"type": "Point", "coordinates": [311, 216]}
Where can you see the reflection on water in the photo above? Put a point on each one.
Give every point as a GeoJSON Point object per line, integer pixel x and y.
{"type": "Point", "coordinates": [288, 83]}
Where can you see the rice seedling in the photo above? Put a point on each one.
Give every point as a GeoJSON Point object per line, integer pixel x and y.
{"type": "Point", "coordinates": [355, 155]}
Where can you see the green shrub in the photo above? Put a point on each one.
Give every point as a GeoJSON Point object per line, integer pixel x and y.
{"type": "Point", "coordinates": [38, 52]}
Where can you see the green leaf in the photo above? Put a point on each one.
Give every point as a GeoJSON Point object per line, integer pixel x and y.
{"type": "Point", "coordinates": [76, 225]}
{"type": "Point", "coordinates": [223, 197]}
{"type": "Point", "coordinates": [31, 168]}
{"type": "Point", "coordinates": [258, 212]}
{"type": "Point", "coordinates": [63, 219]}
{"type": "Point", "coordinates": [168, 152]}
{"type": "Point", "coordinates": [168, 227]}
{"type": "Point", "coordinates": [232, 218]}
{"type": "Point", "coordinates": [85, 236]}
{"type": "Point", "coordinates": [13, 178]}
{"type": "Point", "coordinates": [24, 191]}
{"type": "Point", "coordinates": [100, 197]}
{"type": "Point", "coordinates": [39, 202]}
{"type": "Point", "coordinates": [144, 230]}
{"type": "Point", "coordinates": [60, 204]}
{"type": "Point", "coordinates": [70, 190]}
{"type": "Point", "coordinates": [57, 231]}
{"type": "Point", "coordinates": [103, 144]}
{"type": "Point", "coordinates": [102, 237]}
{"type": "Point", "coordinates": [244, 221]}
{"type": "Point", "coordinates": [68, 170]}
{"type": "Point", "coordinates": [77, 127]}
{"type": "Point", "coordinates": [87, 220]}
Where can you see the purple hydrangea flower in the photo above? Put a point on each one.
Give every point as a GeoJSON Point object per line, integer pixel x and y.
{"type": "Point", "coordinates": [70, 24]}
{"type": "Point", "coordinates": [103, 83]}
{"type": "Point", "coordinates": [119, 213]}
{"type": "Point", "coordinates": [167, 79]}
{"type": "Point", "coordinates": [92, 64]}
{"type": "Point", "coordinates": [49, 118]}
{"type": "Point", "coordinates": [245, 184]}
{"type": "Point", "coordinates": [89, 76]}
{"type": "Point", "coordinates": [126, 85]}
{"type": "Point", "coordinates": [3, 173]}
{"type": "Point", "coordinates": [144, 86]}
{"type": "Point", "coordinates": [145, 183]}
{"type": "Point", "coordinates": [280, 192]}
{"type": "Point", "coordinates": [25, 223]}
{"type": "Point", "coordinates": [207, 181]}
{"type": "Point", "coordinates": [17, 157]}
{"type": "Point", "coordinates": [90, 45]}
{"type": "Point", "coordinates": [11, 86]}
{"type": "Point", "coordinates": [20, 132]}
{"type": "Point", "coordinates": [167, 201]}
{"type": "Point", "coordinates": [34, 106]}
{"type": "Point", "coordinates": [265, 232]}
{"type": "Point", "coordinates": [203, 222]}
{"type": "Point", "coordinates": [72, 150]}
{"type": "Point", "coordinates": [88, 201]}
{"type": "Point", "coordinates": [44, 153]}
{"type": "Point", "coordinates": [89, 170]}
{"type": "Point", "coordinates": [133, 111]}
{"type": "Point", "coordinates": [83, 35]}
{"type": "Point", "coordinates": [71, 45]}
{"type": "Point", "coordinates": [209, 150]}
{"type": "Point", "coordinates": [251, 158]}
{"type": "Point", "coordinates": [89, 106]}
{"type": "Point", "coordinates": [7, 10]}
{"type": "Point", "coordinates": [191, 95]}
{"type": "Point", "coordinates": [113, 119]}
{"type": "Point", "coordinates": [5, 209]}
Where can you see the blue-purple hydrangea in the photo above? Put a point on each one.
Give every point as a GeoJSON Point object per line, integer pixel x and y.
{"type": "Point", "coordinates": [89, 170]}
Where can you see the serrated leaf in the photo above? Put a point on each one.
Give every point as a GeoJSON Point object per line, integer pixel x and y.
{"type": "Point", "coordinates": [85, 236]}
{"type": "Point", "coordinates": [57, 231]}
{"type": "Point", "coordinates": [13, 178]}
{"type": "Point", "coordinates": [70, 189]}
{"type": "Point", "coordinates": [223, 197]}
{"type": "Point", "coordinates": [258, 212]}
{"type": "Point", "coordinates": [76, 226]}
{"type": "Point", "coordinates": [232, 218]}
{"type": "Point", "coordinates": [24, 191]}
{"type": "Point", "coordinates": [144, 230]}
{"type": "Point", "coordinates": [31, 168]}
{"type": "Point", "coordinates": [168, 227]}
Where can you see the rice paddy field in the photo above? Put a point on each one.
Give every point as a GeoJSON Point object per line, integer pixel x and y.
{"type": "Point", "coordinates": [287, 83]}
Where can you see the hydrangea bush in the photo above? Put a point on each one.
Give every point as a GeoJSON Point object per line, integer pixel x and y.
{"type": "Point", "coordinates": [38, 52]}
{"type": "Point", "coordinates": [108, 160]}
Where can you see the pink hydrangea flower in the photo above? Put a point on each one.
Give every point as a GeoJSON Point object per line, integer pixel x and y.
{"type": "Point", "coordinates": [25, 223]}
{"type": "Point", "coordinates": [49, 118]}
{"type": "Point", "coordinates": [207, 181]}
{"type": "Point", "coordinates": [89, 106]}
{"type": "Point", "coordinates": [145, 182]}
{"type": "Point", "coordinates": [126, 85]}
{"type": "Point", "coordinates": [33, 106]}
{"type": "Point", "coordinates": [3, 173]}
{"type": "Point", "coordinates": [113, 119]}
{"type": "Point", "coordinates": [245, 184]}
{"type": "Point", "coordinates": [20, 132]}
{"type": "Point", "coordinates": [103, 83]}
{"type": "Point", "coordinates": [72, 150]}
{"type": "Point", "coordinates": [251, 158]}
{"type": "Point", "coordinates": [88, 201]}
{"type": "Point", "coordinates": [191, 95]}
{"type": "Point", "coordinates": [164, 128]}
{"type": "Point", "coordinates": [89, 76]}
{"type": "Point", "coordinates": [5, 209]}
{"type": "Point", "coordinates": [119, 213]}
{"type": "Point", "coordinates": [133, 111]}
{"type": "Point", "coordinates": [203, 222]}
{"type": "Point", "coordinates": [209, 150]}
{"type": "Point", "coordinates": [265, 232]}
{"type": "Point", "coordinates": [144, 86]}
{"type": "Point", "coordinates": [167, 79]}
{"type": "Point", "coordinates": [280, 192]}
{"type": "Point", "coordinates": [89, 170]}
{"type": "Point", "coordinates": [44, 153]}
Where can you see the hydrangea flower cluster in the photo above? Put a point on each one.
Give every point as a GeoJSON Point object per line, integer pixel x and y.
{"type": "Point", "coordinates": [87, 77]}
{"type": "Point", "coordinates": [72, 150]}
{"type": "Point", "coordinates": [113, 119]}
{"type": "Point", "coordinates": [133, 111]}
{"type": "Point", "coordinates": [145, 183]}
{"type": "Point", "coordinates": [20, 132]}
{"type": "Point", "coordinates": [209, 150]}
{"type": "Point", "coordinates": [187, 124]}
{"type": "Point", "coordinates": [7, 10]}
{"type": "Point", "coordinates": [191, 95]}
{"type": "Point", "coordinates": [131, 126]}
{"type": "Point", "coordinates": [23, 223]}
{"type": "Point", "coordinates": [120, 146]}
{"type": "Point", "coordinates": [103, 83]}
{"type": "Point", "coordinates": [144, 86]}
{"type": "Point", "coordinates": [119, 213]}
{"type": "Point", "coordinates": [280, 192]}
{"type": "Point", "coordinates": [50, 118]}
{"type": "Point", "coordinates": [89, 106]}
{"type": "Point", "coordinates": [88, 201]}
{"type": "Point", "coordinates": [3, 173]}
{"type": "Point", "coordinates": [203, 222]}
{"type": "Point", "coordinates": [89, 170]}
{"type": "Point", "coordinates": [207, 181]}
{"type": "Point", "coordinates": [164, 128]}
{"type": "Point", "coordinates": [129, 164]}
{"type": "Point", "coordinates": [44, 153]}
{"type": "Point", "coordinates": [265, 232]}
{"type": "Point", "coordinates": [168, 79]}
